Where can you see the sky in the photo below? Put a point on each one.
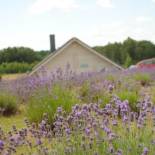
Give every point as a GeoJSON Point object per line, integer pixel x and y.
{"type": "Point", "coordinates": [96, 22]}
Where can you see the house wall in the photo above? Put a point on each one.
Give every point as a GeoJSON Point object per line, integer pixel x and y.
{"type": "Point", "coordinates": [80, 60]}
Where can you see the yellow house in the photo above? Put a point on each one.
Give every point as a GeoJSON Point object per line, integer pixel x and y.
{"type": "Point", "coordinates": [80, 56]}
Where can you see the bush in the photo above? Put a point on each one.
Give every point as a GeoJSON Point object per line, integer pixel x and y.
{"type": "Point", "coordinates": [8, 104]}
{"type": "Point", "coordinates": [132, 97]}
{"type": "Point", "coordinates": [47, 101]}
{"type": "Point", "coordinates": [143, 78]}
{"type": "Point", "coordinates": [15, 67]}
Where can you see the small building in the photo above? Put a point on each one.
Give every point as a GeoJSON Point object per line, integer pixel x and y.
{"type": "Point", "coordinates": [147, 63]}
{"type": "Point", "coordinates": [80, 57]}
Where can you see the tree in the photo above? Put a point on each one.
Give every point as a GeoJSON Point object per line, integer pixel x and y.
{"type": "Point", "coordinates": [128, 61]}
{"type": "Point", "coordinates": [129, 52]}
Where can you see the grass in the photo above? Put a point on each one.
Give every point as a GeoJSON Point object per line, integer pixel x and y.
{"type": "Point", "coordinates": [12, 76]}
{"type": "Point", "coordinates": [8, 122]}
{"type": "Point", "coordinates": [131, 96]}
{"type": "Point", "coordinates": [47, 101]}
{"type": "Point", "coordinates": [143, 78]}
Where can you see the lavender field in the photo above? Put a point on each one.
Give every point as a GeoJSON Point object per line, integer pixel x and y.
{"type": "Point", "coordinates": [68, 114]}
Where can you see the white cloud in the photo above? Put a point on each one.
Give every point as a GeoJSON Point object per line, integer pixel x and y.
{"type": "Point", "coordinates": [41, 6]}
{"type": "Point", "coordinates": [144, 19]}
{"type": "Point", "coordinates": [105, 3]}
{"type": "Point", "coordinates": [153, 0]}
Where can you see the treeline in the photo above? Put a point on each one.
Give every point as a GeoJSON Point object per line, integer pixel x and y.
{"type": "Point", "coordinates": [129, 52]}
{"type": "Point", "coordinates": [22, 59]}
{"type": "Point", "coordinates": [19, 59]}
{"type": "Point", "coordinates": [21, 54]}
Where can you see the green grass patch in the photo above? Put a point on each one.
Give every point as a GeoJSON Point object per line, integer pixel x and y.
{"type": "Point", "coordinates": [143, 78]}
{"type": "Point", "coordinates": [47, 101]}
{"type": "Point", "coordinates": [8, 122]}
{"type": "Point", "coordinates": [131, 96]}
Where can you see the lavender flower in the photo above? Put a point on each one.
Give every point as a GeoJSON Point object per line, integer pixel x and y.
{"type": "Point", "coordinates": [145, 151]}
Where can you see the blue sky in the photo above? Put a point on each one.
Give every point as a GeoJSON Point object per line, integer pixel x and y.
{"type": "Point", "coordinates": [96, 22]}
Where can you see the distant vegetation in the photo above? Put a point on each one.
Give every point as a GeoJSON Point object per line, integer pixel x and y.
{"type": "Point", "coordinates": [19, 59]}
{"type": "Point", "coordinates": [22, 59]}
{"type": "Point", "coordinates": [16, 67]}
{"type": "Point", "coordinates": [129, 52]}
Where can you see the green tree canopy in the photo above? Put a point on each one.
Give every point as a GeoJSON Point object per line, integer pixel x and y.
{"type": "Point", "coordinates": [129, 52]}
{"type": "Point", "coordinates": [21, 54]}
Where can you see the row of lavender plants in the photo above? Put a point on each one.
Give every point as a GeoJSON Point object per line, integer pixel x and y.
{"type": "Point", "coordinates": [67, 88]}
{"type": "Point", "coordinates": [90, 113]}
{"type": "Point", "coordinates": [87, 129]}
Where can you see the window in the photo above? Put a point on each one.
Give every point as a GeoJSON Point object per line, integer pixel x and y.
{"type": "Point", "coordinates": [84, 66]}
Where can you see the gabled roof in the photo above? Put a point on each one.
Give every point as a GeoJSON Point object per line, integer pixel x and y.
{"type": "Point", "coordinates": [59, 50]}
